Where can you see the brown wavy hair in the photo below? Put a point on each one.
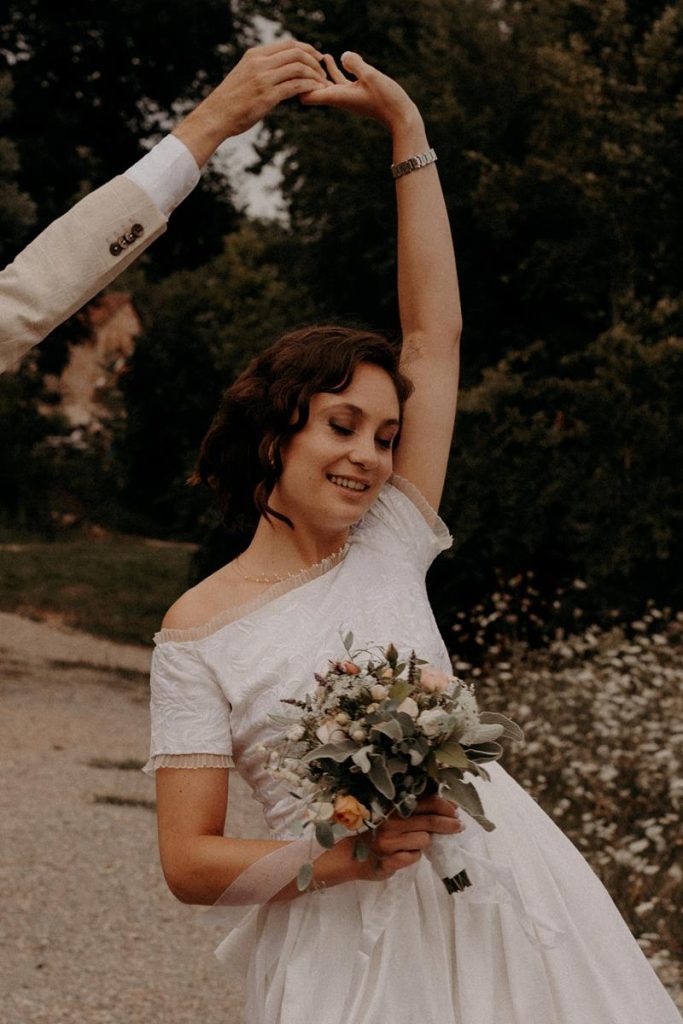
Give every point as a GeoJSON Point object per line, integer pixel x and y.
{"type": "Point", "coordinates": [240, 456]}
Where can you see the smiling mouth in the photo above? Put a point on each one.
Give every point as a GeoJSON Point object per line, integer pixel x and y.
{"type": "Point", "coordinates": [348, 485]}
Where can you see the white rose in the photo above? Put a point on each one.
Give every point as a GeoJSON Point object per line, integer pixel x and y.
{"type": "Point", "coordinates": [409, 707]}
{"type": "Point", "coordinates": [433, 722]}
{"type": "Point", "coordinates": [358, 734]}
{"type": "Point", "coordinates": [330, 732]}
{"type": "Point", "coordinates": [297, 732]}
{"type": "Point", "coordinates": [378, 692]}
{"type": "Point", "coordinates": [342, 718]}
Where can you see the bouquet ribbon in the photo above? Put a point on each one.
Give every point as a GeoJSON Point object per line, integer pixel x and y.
{"type": "Point", "coordinates": [238, 906]}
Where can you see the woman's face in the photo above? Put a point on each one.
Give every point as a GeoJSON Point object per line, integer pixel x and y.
{"type": "Point", "coordinates": [334, 468]}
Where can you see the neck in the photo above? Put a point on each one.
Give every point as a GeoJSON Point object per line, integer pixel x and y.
{"type": "Point", "coordinates": [276, 548]}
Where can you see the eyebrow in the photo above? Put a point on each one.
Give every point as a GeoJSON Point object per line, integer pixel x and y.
{"type": "Point", "coordinates": [350, 407]}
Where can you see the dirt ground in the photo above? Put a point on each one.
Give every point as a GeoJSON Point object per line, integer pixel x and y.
{"type": "Point", "coordinates": [89, 933]}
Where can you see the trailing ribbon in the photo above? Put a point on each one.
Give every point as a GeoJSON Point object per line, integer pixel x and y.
{"type": "Point", "coordinates": [238, 906]}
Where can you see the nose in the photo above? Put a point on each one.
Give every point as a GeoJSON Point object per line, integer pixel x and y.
{"type": "Point", "coordinates": [364, 452]}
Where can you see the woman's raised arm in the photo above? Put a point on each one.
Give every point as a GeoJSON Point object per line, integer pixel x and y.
{"type": "Point", "coordinates": [429, 300]}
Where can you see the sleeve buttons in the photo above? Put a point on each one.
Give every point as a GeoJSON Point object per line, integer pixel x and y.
{"type": "Point", "coordinates": [126, 239]}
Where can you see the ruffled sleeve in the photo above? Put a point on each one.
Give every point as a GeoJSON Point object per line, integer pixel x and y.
{"type": "Point", "coordinates": [190, 715]}
{"type": "Point", "coordinates": [411, 521]}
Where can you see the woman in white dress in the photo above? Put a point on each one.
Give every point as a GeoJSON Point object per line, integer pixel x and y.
{"type": "Point", "coordinates": [347, 529]}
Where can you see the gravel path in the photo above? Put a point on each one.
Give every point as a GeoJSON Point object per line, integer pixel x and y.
{"type": "Point", "coordinates": [89, 933]}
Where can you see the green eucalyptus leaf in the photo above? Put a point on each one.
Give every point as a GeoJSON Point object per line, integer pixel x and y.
{"type": "Point", "coordinates": [348, 641]}
{"type": "Point", "coordinates": [324, 834]}
{"type": "Point", "coordinates": [361, 851]}
{"type": "Point", "coordinates": [465, 795]}
{"type": "Point", "coordinates": [283, 720]}
{"type": "Point", "coordinates": [511, 731]}
{"type": "Point", "coordinates": [331, 751]}
{"type": "Point", "coordinates": [304, 877]}
{"type": "Point", "coordinates": [452, 754]}
{"type": "Point", "coordinates": [400, 690]}
{"type": "Point", "coordinates": [482, 752]}
{"type": "Point", "coordinates": [361, 758]}
{"type": "Point", "coordinates": [381, 779]}
{"type": "Point", "coordinates": [391, 728]}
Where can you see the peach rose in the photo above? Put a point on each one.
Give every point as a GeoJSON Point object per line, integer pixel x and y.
{"type": "Point", "coordinates": [346, 667]}
{"type": "Point", "coordinates": [432, 680]}
{"type": "Point", "coordinates": [349, 812]}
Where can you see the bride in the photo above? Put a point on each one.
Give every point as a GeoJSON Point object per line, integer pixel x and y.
{"type": "Point", "coordinates": [339, 447]}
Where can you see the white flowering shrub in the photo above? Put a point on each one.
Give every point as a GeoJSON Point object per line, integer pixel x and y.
{"type": "Point", "coordinates": [602, 713]}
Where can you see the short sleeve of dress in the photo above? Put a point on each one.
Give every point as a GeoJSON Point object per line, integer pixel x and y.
{"type": "Point", "coordinates": [190, 715]}
{"type": "Point", "coordinates": [401, 508]}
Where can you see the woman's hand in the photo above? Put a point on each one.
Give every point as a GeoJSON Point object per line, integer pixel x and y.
{"type": "Point", "coordinates": [372, 94]}
{"type": "Point", "coordinates": [264, 77]}
{"type": "Point", "coordinates": [400, 842]}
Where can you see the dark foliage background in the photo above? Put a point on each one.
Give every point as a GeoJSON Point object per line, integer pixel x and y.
{"type": "Point", "coordinates": [558, 128]}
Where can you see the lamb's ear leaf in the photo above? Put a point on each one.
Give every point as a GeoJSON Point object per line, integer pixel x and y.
{"type": "Point", "coordinates": [304, 877]}
{"type": "Point", "coordinates": [324, 834]}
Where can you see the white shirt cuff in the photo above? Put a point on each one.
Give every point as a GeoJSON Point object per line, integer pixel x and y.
{"type": "Point", "coordinates": [168, 173]}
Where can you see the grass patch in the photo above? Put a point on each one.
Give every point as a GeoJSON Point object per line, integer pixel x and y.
{"type": "Point", "coordinates": [128, 765]}
{"type": "Point", "coordinates": [117, 587]}
{"type": "Point", "coordinates": [124, 801]}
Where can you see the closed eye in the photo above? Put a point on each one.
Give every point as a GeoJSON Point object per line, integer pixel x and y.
{"type": "Point", "coordinates": [386, 443]}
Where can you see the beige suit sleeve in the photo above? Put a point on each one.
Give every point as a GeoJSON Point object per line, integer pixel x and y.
{"type": "Point", "coordinates": [71, 261]}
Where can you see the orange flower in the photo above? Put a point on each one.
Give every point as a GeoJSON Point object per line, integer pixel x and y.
{"type": "Point", "coordinates": [349, 812]}
{"type": "Point", "coordinates": [347, 667]}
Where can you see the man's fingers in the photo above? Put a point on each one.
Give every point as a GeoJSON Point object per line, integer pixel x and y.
{"type": "Point", "coordinates": [295, 54]}
{"type": "Point", "coordinates": [303, 87]}
{"type": "Point", "coordinates": [287, 44]}
{"type": "Point", "coordinates": [297, 71]}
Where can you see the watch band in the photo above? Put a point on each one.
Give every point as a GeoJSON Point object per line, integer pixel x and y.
{"type": "Point", "coordinates": [413, 163]}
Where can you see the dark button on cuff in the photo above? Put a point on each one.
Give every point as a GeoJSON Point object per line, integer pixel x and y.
{"type": "Point", "coordinates": [126, 239]}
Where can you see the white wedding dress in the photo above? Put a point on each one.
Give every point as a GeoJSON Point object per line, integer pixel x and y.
{"type": "Point", "coordinates": [539, 943]}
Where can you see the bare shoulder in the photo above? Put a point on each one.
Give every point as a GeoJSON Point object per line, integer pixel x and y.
{"type": "Point", "coordinates": [212, 596]}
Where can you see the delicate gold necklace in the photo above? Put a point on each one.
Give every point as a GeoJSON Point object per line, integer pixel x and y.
{"type": "Point", "coordinates": [295, 572]}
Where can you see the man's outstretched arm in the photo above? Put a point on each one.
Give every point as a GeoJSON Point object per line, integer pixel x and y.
{"type": "Point", "coordinates": [86, 249]}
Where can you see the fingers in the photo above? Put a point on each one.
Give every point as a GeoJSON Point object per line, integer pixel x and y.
{"type": "Point", "coordinates": [401, 842]}
{"type": "Point", "coordinates": [354, 63]}
{"type": "Point", "coordinates": [306, 88]}
{"type": "Point", "coordinates": [296, 71]}
{"type": "Point", "coordinates": [436, 805]}
{"type": "Point", "coordinates": [333, 70]}
{"type": "Point", "coordinates": [286, 44]}
{"type": "Point", "coordinates": [296, 54]}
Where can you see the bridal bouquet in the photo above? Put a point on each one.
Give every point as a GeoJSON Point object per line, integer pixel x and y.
{"type": "Point", "coordinates": [374, 735]}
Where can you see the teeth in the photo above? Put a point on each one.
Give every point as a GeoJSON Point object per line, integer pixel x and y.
{"type": "Point", "coordinates": [352, 485]}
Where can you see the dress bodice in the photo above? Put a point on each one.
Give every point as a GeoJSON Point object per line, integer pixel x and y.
{"type": "Point", "coordinates": [214, 688]}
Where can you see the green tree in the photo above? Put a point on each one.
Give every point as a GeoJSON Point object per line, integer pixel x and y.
{"type": "Point", "coordinates": [91, 82]}
{"type": "Point", "coordinates": [201, 327]}
{"type": "Point", "coordinates": [17, 210]}
{"type": "Point", "coordinates": [558, 130]}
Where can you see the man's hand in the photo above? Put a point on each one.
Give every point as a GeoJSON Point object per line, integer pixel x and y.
{"type": "Point", "coordinates": [264, 77]}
